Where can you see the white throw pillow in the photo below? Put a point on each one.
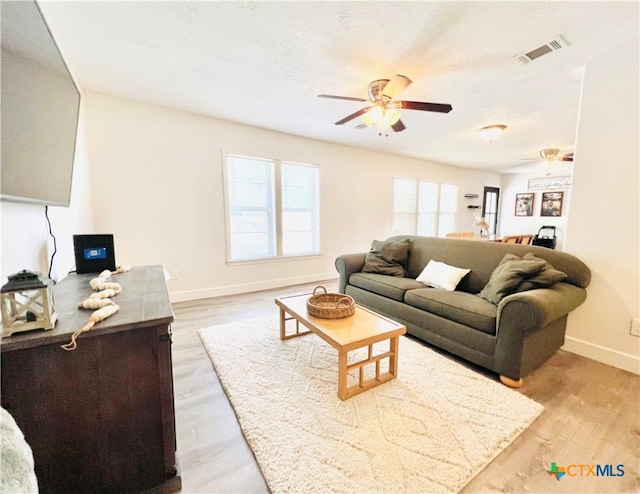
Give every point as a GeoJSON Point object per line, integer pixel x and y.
{"type": "Point", "coordinates": [441, 275]}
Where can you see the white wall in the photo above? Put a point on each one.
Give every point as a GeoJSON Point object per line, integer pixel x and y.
{"type": "Point", "coordinates": [26, 243]}
{"type": "Point", "coordinates": [157, 186]}
{"type": "Point", "coordinates": [603, 227]}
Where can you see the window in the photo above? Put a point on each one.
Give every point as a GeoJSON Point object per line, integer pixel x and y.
{"type": "Point", "coordinates": [448, 207]}
{"type": "Point", "coordinates": [272, 207]}
{"type": "Point", "coordinates": [423, 208]}
{"type": "Point", "coordinates": [299, 209]}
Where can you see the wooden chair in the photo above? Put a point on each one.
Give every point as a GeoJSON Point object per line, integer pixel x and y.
{"type": "Point", "coordinates": [526, 239]}
{"type": "Point", "coordinates": [511, 239]}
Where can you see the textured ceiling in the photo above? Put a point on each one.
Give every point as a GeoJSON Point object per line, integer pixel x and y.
{"type": "Point", "coordinates": [264, 63]}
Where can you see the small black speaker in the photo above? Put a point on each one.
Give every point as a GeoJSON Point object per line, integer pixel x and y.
{"type": "Point", "coordinates": [94, 253]}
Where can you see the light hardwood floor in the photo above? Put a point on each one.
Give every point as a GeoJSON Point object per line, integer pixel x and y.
{"type": "Point", "coordinates": [591, 416]}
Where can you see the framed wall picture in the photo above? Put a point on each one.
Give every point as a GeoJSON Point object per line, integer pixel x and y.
{"type": "Point", "coordinates": [524, 204]}
{"type": "Point", "coordinates": [551, 204]}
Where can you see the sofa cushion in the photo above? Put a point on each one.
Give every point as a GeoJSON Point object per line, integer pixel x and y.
{"type": "Point", "coordinates": [440, 275]}
{"type": "Point", "coordinates": [388, 258]}
{"type": "Point", "coordinates": [544, 278]}
{"type": "Point", "coordinates": [506, 277]}
{"type": "Point", "coordinates": [464, 308]}
{"type": "Point", "coordinates": [388, 286]}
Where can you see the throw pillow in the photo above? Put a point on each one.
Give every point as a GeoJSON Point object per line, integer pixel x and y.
{"type": "Point", "coordinates": [506, 277]}
{"type": "Point", "coordinates": [440, 275]}
{"type": "Point", "coordinates": [544, 278]}
{"type": "Point", "coordinates": [387, 257]}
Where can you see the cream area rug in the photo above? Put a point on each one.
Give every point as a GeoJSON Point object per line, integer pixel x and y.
{"type": "Point", "coordinates": [432, 429]}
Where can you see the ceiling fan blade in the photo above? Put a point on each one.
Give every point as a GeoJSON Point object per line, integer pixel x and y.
{"type": "Point", "coordinates": [354, 115]}
{"type": "Point", "coordinates": [348, 98]}
{"type": "Point", "coordinates": [395, 86]}
{"type": "Point", "coordinates": [567, 157]}
{"type": "Point", "coordinates": [398, 126]}
{"type": "Point", "coordinates": [419, 105]}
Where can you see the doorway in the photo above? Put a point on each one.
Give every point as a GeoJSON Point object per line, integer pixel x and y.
{"type": "Point", "coordinates": [490, 199]}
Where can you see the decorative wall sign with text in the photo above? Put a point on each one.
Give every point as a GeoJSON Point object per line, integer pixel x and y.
{"type": "Point", "coordinates": [549, 183]}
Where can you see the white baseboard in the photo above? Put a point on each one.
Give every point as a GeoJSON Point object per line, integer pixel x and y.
{"type": "Point", "coordinates": [621, 360]}
{"type": "Point", "coordinates": [187, 295]}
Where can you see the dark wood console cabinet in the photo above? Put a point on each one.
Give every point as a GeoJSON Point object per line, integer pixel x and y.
{"type": "Point", "coordinates": [100, 418]}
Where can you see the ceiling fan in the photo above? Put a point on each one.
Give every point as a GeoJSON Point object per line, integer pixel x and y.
{"type": "Point", "coordinates": [551, 158]}
{"type": "Point", "coordinates": [553, 154]}
{"type": "Point", "coordinates": [384, 109]}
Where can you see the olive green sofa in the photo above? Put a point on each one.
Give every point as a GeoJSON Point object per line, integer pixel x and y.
{"type": "Point", "coordinates": [511, 338]}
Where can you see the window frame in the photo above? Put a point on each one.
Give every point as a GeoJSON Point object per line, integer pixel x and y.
{"type": "Point", "coordinates": [275, 210]}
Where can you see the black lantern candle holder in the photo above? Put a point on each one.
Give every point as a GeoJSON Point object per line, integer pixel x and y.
{"type": "Point", "coordinates": [27, 303]}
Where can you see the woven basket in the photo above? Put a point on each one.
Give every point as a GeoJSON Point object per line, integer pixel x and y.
{"type": "Point", "coordinates": [330, 305]}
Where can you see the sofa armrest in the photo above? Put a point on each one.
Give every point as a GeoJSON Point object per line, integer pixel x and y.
{"type": "Point", "coordinates": [531, 326]}
{"type": "Point", "coordinates": [347, 264]}
{"type": "Point", "coordinates": [526, 311]}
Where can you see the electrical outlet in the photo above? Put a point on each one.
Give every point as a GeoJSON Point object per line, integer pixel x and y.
{"type": "Point", "coordinates": [635, 327]}
{"type": "Point", "coordinates": [174, 274]}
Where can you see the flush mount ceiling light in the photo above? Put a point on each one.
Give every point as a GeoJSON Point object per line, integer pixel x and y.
{"type": "Point", "coordinates": [491, 132]}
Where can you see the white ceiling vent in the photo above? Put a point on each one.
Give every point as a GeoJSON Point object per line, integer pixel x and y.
{"type": "Point", "coordinates": [553, 45]}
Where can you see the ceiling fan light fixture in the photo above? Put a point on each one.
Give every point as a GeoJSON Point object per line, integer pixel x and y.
{"type": "Point", "coordinates": [550, 157]}
{"type": "Point", "coordinates": [381, 116]}
{"type": "Point", "coordinates": [373, 116]}
{"type": "Point", "coordinates": [491, 132]}
{"type": "Point", "coordinates": [389, 118]}
{"type": "Point", "coordinates": [549, 154]}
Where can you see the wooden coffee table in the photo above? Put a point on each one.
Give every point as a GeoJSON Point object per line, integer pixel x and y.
{"type": "Point", "coordinates": [363, 329]}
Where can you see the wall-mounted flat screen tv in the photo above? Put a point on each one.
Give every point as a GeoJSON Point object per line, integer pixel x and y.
{"type": "Point", "coordinates": [39, 109]}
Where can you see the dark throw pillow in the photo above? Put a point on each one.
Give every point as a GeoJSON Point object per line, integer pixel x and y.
{"type": "Point", "coordinates": [544, 278]}
{"type": "Point", "coordinates": [387, 258]}
{"type": "Point", "coordinates": [506, 277]}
